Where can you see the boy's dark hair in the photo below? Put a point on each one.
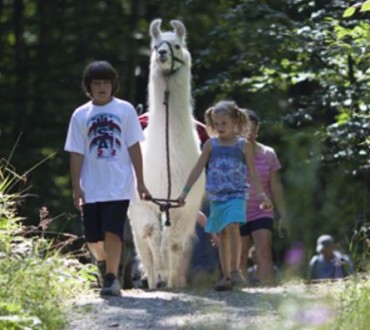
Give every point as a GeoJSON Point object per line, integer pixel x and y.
{"type": "Point", "coordinates": [253, 116]}
{"type": "Point", "coordinates": [99, 70]}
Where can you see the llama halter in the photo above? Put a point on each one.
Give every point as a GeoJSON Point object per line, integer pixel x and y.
{"type": "Point", "coordinates": [174, 59]}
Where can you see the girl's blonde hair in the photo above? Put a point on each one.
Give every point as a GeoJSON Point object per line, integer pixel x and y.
{"type": "Point", "coordinates": [231, 109]}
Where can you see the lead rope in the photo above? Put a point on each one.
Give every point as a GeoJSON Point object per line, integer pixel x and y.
{"type": "Point", "coordinates": [165, 102]}
{"type": "Point", "coordinates": [166, 204]}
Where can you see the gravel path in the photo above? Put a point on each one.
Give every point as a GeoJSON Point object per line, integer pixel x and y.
{"type": "Point", "coordinates": [293, 306]}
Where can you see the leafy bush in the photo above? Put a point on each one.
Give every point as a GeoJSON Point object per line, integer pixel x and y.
{"type": "Point", "coordinates": [354, 306]}
{"type": "Point", "coordinates": [35, 280]}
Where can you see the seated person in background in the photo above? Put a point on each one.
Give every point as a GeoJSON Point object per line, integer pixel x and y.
{"type": "Point", "coordinates": [204, 265]}
{"type": "Point", "coordinates": [328, 263]}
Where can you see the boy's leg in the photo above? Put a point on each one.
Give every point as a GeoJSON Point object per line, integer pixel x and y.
{"type": "Point", "coordinates": [113, 246]}
{"type": "Point", "coordinates": [113, 218]}
{"type": "Point", "coordinates": [99, 256]}
{"type": "Point", "coordinates": [97, 250]}
{"type": "Point", "coordinates": [90, 217]}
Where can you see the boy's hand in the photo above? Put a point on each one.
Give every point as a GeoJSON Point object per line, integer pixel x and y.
{"type": "Point", "coordinates": [78, 198]}
{"type": "Point", "coordinates": [143, 192]}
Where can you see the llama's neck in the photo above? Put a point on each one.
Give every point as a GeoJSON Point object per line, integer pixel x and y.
{"type": "Point", "coordinates": [179, 99]}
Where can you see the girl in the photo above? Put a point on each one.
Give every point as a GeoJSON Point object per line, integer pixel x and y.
{"type": "Point", "coordinates": [260, 222]}
{"type": "Point", "coordinates": [229, 156]}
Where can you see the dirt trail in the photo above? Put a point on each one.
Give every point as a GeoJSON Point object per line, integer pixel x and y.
{"type": "Point", "coordinates": [292, 306]}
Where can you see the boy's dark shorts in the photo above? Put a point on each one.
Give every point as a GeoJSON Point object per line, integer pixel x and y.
{"type": "Point", "coordinates": [251, 226]}
{"type": "Point", "coordinates": [102, 217]}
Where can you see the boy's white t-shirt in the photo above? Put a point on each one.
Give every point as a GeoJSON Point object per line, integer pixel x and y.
{"type": "Point", "coordinates": [103, 134]}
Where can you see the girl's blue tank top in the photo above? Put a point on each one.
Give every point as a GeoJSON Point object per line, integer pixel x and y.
{"type": "Point", "coordinates": [227, 172]}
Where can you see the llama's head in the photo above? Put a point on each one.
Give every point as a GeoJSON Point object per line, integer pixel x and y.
{"type": "Point", "coordinates": [169, 48]}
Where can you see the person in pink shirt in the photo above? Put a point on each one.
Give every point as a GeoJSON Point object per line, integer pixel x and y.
{"type": "Point", "coordinates": [259, 226]}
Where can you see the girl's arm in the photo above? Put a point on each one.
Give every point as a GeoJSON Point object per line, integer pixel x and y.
{"type": "Point", "coordinates": [249, 159]}
{"type": "Point", "coordinates": [196, 171]}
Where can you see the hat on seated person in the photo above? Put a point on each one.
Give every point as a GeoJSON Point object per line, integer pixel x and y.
{"type": "Point", "coordinates": [323, 241]}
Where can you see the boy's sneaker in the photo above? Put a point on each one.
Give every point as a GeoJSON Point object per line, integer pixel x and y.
{"type": "Point", "coordinates": [111, 286]}
{"type": "Point", "coordinates": [223, 285]}
{"type": "Point", "coordinates": [237, 279]}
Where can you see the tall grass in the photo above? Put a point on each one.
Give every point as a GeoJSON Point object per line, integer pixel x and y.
{"type": "Point", "coordinates": [354, 306]}
{"type": "Point", "coordinates": [36, 281]}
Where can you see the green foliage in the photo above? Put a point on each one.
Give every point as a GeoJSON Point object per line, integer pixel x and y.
{"type": "Point", "coordinates": [35, 280]}
{"type": "Point", "coordinates": [304, 69]}
{"type": "Point", "coordinates": [354, 306]}
{"type": "Point", "coordinates": [365, 6]}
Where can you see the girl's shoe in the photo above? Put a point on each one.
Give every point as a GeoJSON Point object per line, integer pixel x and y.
{"type": "Point", "coordinates": [237, 279]}
{"type": "Point", "coordinates": [223, 285]}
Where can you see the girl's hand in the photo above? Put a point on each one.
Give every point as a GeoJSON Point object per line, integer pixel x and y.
{"type": "Point", "coordinates": [181, 199]}
{"type": "Point", "coordinates": [266, 205]}
{"type": "Point", "coordinates": [283, 227]}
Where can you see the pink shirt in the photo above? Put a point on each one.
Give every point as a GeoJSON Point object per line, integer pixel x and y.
{"type": "Point", "coordinates": [266, 163]}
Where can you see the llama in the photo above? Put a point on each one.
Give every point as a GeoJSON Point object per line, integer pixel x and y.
{"type": "Point", "coordinates": [165, 250]}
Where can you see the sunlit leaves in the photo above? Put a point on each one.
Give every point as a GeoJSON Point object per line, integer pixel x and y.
{"type": "Point", "coordinates": [362, 6]}
{"type": "Point", "coordinates": [349, 12]}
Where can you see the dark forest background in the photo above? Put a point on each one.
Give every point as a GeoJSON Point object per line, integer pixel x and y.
{"type": "Point", "coordinates": [301, 65]}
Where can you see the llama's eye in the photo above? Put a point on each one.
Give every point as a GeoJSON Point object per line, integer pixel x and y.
{"type": "Point", "coordinates": [156, 47]}
{"type": "Point", "coordinates": [177, 46]}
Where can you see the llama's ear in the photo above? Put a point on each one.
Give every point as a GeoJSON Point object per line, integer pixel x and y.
{"type": "Point", "coordinates": [179, 28]}
{"type": "Point", "coordinates": [155, 28]}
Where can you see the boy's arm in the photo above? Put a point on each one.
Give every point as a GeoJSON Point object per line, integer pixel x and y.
{"type": "Point", "coordinates": [137, 162]}
{"type": "Point", "coordinates": [76, 161]}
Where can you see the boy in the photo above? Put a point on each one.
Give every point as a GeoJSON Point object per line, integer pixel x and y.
{"type": "Point", "coordinates": [329, 263]}
{"type": "Point", "coordinates": [103, 139]}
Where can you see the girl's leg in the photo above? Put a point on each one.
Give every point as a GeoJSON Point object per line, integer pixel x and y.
{"type": "Point", "coordinates": [235, 246]}
{"type": "Point", "coordinates": [246, 244]}
{"type": "Point", "coordinates": [263, 242]}
{"type": "Point", "coordinates": [224, 252]}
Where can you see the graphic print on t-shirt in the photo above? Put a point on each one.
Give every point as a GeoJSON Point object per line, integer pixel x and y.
{"type": "Point", "coordinates": [104, 134]}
